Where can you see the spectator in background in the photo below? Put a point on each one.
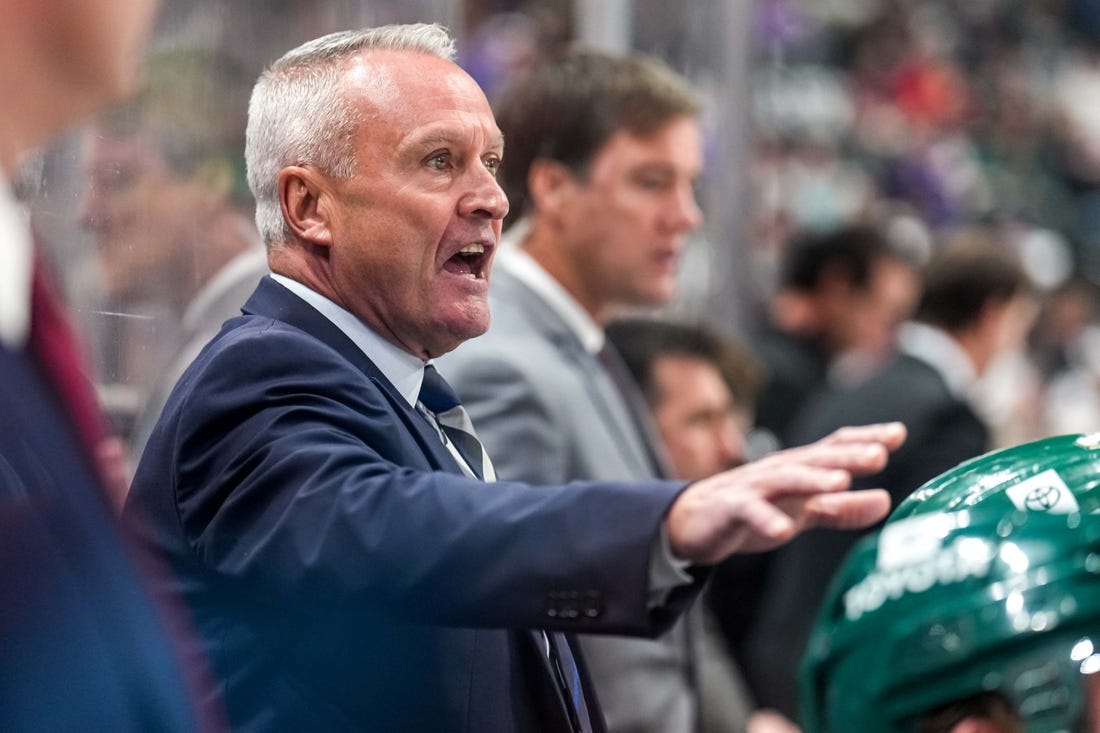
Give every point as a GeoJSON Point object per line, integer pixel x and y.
{"type": "Point", "coordinates": [84, 646]}
{"type": "Point", "coordinates": [841, 297]}
{"type": "Point", "coordinates": [976, 304]}
{"type": "Point", "coordinates": [169, 208]}
{"type": "Point", "coordinates": [1065, 349]}
{"type": "Point", "coordinates": [701, 388]}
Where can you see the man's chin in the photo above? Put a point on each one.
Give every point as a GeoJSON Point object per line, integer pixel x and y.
{"type": "Point", "coordinates": [454, 334]}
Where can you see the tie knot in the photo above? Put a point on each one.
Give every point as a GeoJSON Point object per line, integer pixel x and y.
{"type": "Point", "coordinates": [435, 393]}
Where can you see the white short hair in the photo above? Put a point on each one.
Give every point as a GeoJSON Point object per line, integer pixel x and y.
{"type": "Point", "coordinates": [298, 113]}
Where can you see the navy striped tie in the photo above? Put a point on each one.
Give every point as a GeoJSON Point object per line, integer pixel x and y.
{"type": "Point", "coordinates": [438, 397]}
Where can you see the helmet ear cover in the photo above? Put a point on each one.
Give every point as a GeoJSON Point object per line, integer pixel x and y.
{"type": "Point", "coordinates": [1057, 475]}
{"type": "Point", "coordinates": [982, 604]}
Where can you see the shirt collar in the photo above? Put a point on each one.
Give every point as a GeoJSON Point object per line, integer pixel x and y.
{"type": "Point", "coordinates": [404, 370]}
{"type": "Point", "coordinates": [527, 270]}
{"type": "Point", "coordinates": [936, 347]}
{"type": "Point", "coordinates": [16, 262]}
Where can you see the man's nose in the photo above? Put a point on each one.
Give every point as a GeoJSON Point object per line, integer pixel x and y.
{"type": "Point", "coordinates": [485, 198]}
{"type": "Point", "coordinates": [731, 443]}
{"type": "Point", "coordinates": [684, 212]}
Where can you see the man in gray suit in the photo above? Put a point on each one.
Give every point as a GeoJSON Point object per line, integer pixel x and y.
{"type": "Point", "coordinates": [603, 190]}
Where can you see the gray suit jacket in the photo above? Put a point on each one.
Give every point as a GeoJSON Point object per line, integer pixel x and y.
{"type": "Point", "coordinates": [549, 413]}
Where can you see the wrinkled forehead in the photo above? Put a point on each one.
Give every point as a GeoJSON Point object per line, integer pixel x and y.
{"type": "Point", "coordinates": [381, 83]}
{"type": "Point", "coordinates": [409, 101]}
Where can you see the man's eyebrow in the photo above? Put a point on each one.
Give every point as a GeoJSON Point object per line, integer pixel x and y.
{"type": "Point", "coordinates": [445, 140]}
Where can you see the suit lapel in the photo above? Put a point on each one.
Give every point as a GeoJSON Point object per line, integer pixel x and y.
{"type": "Point", "coordinates": [601, 391]}
{"type": "Point", "coordinates": [272, 300]}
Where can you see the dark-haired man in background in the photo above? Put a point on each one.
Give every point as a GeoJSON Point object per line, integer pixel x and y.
{"type": "Point", "coordinates": [975, 305]}
{"type": "Point", "coordinates": [701, 388]}
{"type": "Point", "coordinates": [840, 298]}
{"type": "Point", "coordinates": [175, 148]}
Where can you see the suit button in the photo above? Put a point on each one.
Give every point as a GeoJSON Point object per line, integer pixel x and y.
{"type": "Point", "coordinates": [593, 604]}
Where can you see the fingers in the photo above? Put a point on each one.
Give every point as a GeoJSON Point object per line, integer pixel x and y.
{"type": "Point", "coordinates": [768, 522]}
{"type": "Point", "coordinates": [848, 510]}
{"type": "Point", "coordinates": [766, 525]}
{"type": "Point", "coordinates": [765, 503]}
{"type": "Point", "coordinates": [748, 525]}
{"type": "Point", "coordinates": [889, 434]}
{"type": "Point", "coordinates": [863, 449]}
{"type": "Point", "coordinates": [850, 458]}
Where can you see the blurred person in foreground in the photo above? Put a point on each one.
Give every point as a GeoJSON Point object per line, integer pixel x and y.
{"type": "Point", "coordinates": [172, 150]}
{"type": "Point", "coordinates": [84, 646]}
{"type": "Point", "coordinates": [603, 196]}
{"type": "Point", "coordinates": [329, 511]}
{"type": "Point", "coordinates": [700, 388]}
{"type": "Point", "coordinates": [977, 304]}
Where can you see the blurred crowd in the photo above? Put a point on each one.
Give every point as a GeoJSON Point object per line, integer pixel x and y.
{"type": "Point", "coordinates": [933, 118]}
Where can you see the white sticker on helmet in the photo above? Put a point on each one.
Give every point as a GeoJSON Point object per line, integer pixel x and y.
{"type": "Point", "coordinates": [1044, 492]}
{"type": "Point", "coordinates": [918, 538]}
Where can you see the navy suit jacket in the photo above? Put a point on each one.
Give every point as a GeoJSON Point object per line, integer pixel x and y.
{"type": "Point", "coordinates": [82, 646]}
{"type": "Point", "coordinates": [343, 574]}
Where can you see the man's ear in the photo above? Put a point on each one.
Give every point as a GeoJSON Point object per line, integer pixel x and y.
{"type": "Point", "coordinates": [302, 198]}
{"type": "Point", "coordinates": [550, 184]}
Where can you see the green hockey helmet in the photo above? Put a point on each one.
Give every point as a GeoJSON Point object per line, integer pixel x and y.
{"type": "Point", "coordinates": [1058, 475]}
{"type": "Point", "coordinates": [943, 610]}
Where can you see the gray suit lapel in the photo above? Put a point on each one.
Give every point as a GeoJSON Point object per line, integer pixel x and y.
{"type": "Point", "coordinates": [601, 390]}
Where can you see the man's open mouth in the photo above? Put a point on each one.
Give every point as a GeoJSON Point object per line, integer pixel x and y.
{"type": "Point", "coordinates": [470, 261]}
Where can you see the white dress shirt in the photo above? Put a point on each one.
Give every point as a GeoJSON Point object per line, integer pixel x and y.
{"type": "Point", "coordinates": [524, 268]}
{"type": "Point", "coordinates": [16, 261]}
{"type": "Point", "coordinates": [404, 370]}
{"type": "Point", "coordinates": [936, 347]}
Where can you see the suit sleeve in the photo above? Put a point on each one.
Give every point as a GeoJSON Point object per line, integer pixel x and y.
{"type": "Point", "coordinates": [294, 477]}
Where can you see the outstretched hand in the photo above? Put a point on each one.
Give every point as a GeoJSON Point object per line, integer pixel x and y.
{"type": "Point", "coordinates": [765, 503]}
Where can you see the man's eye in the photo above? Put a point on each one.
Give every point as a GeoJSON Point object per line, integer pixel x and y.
{"type": "Point", "coordinates": [654, 183]}
{"type": "Point", "coordinates": [493, 164]}
{"type": "Point", "coordinates": [439, 161]}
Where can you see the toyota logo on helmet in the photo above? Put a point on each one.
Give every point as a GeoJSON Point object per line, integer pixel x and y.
{"type": "Point", "coordinates": [1058, 475]}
